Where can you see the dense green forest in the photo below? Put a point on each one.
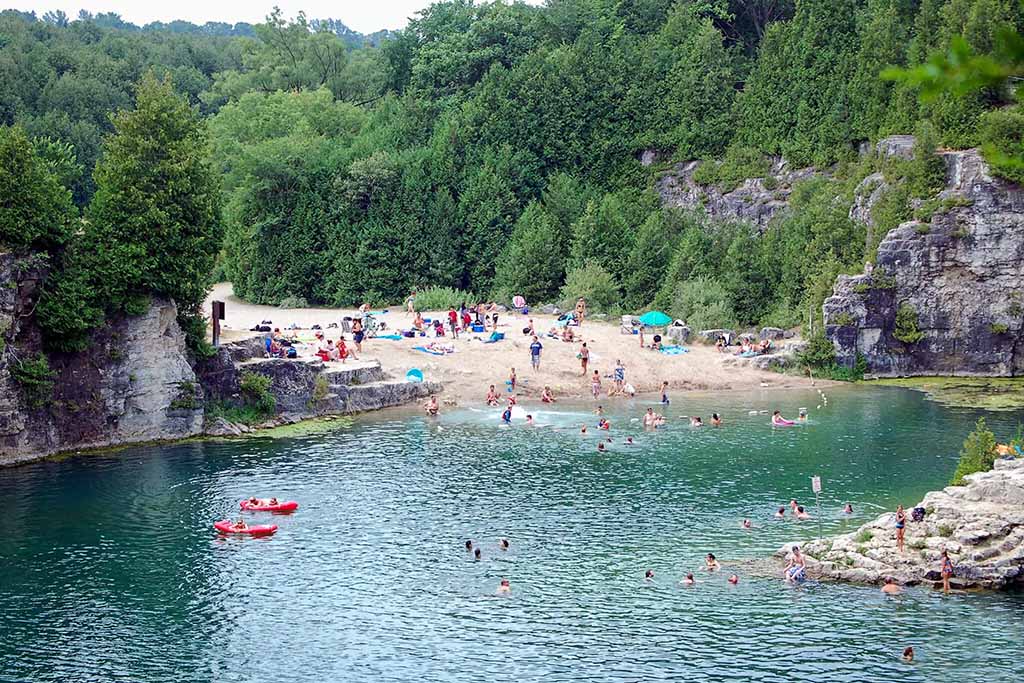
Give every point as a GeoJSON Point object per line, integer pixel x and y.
{"type": "Point", "coordinates": [492, 148]}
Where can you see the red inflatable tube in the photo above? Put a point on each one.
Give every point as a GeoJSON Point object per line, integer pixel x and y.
{"type": "Point", "coordinates": [226, 527]}
{"type": "Point", "coordinates": [287, 506]}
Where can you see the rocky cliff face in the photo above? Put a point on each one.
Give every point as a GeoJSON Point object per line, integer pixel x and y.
{"type": "Point", "coordinates": [133, 384]}
{"type": "Point", "coordinates": [755, 200]}
{"type": "Point", "coordinates": [958, 278]}
{"type": "Point", "coordinates": [981, 525]}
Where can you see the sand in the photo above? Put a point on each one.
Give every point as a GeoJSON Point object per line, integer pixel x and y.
{"type": "Point", "coordinates": [474, 366]}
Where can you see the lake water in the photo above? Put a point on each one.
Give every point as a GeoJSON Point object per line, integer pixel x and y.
{"type": "Point", "coordinates": [110, 569]}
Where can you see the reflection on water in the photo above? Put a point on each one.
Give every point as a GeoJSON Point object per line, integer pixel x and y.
{"type": "Point", "coordinates": [111, 570]}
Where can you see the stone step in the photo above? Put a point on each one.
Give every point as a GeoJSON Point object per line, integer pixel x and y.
{"type": "Point", "coordinates": [355, 375]}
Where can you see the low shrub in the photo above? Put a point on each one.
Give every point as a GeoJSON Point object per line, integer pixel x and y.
{"type": "Point", "coordinates": [998, 328]}
{"type": "Point", "coordinates": [256, 392]}
{"type": "Point", "coordinates": [863, 536]}
{"type": "Point", "coordinates": [844, 319]}
{"type": "Point", "coordinates": [35, 380]}
{"type": "Point", "coordinates": [738, 164]}
{"type": "Point", "coordinates": [945, 531]}
{"type": "Point", "coordinates": [442, 298]}
{"type": "Point", "coordinates": [293, 302]}
{"type": "Point", "coordinates": [1002, 137]}
{"type": "Point", "coordinates": [906, 329]}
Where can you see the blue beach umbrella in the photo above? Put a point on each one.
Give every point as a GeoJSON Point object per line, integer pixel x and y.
{"type": "Point", "coordinates": [655, 319]}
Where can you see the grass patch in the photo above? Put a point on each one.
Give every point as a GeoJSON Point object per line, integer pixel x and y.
{"type": "Point", "coordinates": [863, 536]}
{"type": "Point", "coordinates": [987, 393]}
{"type": "Point", "coordinates": [917, 545]}
{"type": "Point", "coordinates": [945, 531]}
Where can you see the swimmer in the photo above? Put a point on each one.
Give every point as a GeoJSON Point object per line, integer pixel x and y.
{"type": "Point", "coordinates": [649, 574]}
{"type": "Point", "coordinates": [503, 544]}
{"type": "Point", "coordinates": [504, 587]}
{"type": "Point", "coordinates": [793, 505]}
{"type": "Point", "coordinates": [695, 421]}
{"type": "Point", "coordinates": [600, 446]}
{"type": "Point", "coordinates": [800, 513]}
{"type": "Point", "coordinates": [273, 501]}
{"type": "Point", "coordinates": [891, 587]}
{"type": "Point", "coordinates": [432, 407]}
{"type": "Point", "coordinates": [511, 400]}
{"type": "Point", "coordinates": [908, 654]}
{"type": "Point", "coordinates": [609, 439]}
{"type": "Point", "coordinates": [747, 524]}
{"type": "Point", "coordinates": [529, 420]}
{"type": "Point", "coordinates": [734, 579]}
{"type": "Point", "coordinates": [716, 421]}
{"type": "Point", "coordinates": [506, 415]}
{"type": "Point", "coordinates": [629, 441]}
{"type": "Point", "coordinates": [469, 545]}
{"type": "Point", "coordinates": [779, 421]}
{"type": "Point", "coordinates": [254, 501]}
{"type": "Point", "coordinates": [649, 418]}
{"type": "Point", "coordinates": [848, 509]}
{"type": "Point", "coordinates": [477, 554]}
{"type": "Point", "coordinates": [689, 581]}
{"type": "Point", "coordinates": [781, 512]}
{"type": "Point", "coordinates": [240, 525]}
{"type": "Point", "coordinates": [599, 411]}
{"type": "Point", "coordinates": [711, 564]}
{"type": "Point", "coordinates": [604, 424]}
{"type": "Point", "coordinates": [802, 416]}
{"type": "Point", "coordinates": [583, 429]}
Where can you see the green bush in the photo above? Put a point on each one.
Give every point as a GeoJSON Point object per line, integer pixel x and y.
{"type": "Point", "coordinates": [442, 298]}
{"type": "Point", "coordinates": [35, 209]}
{"type": "Point", "coordinates": [739, 164]}
{"type": "Point", "coordinates": [593, 283]}
{"type": "Point", "coordinates": [294, 302]}
{"type": "Point", "coordinates": [844, 319]}
{"type": "Point", "coordinates": [703, 304]}
{"type": "Point", "coordinates": [999, 328]}
{"type": "Point", "coordinates": [977, 455]}
{"type": "Point", "coordinates": [1002, 137]}
{"type": "Point", "coordinates": [256, 392]}
{"type": "Point", "coordinates": [819, 353]}
{"type": "Point", "coordinates": [35, 379]}
{"type": "Point", "coordinates": [930, 208]}
{"type": "Point", "coordinates": [863, 536]}
{"type": "Point", "coordinates": [906, 329]}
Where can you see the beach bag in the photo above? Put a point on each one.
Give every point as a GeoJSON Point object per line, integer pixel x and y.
{"type": "Point", "coordinates": [409, 333]}
{"type": "Point", "coordinates": [292, 353]}
{"type": "Point", "coordinates": [917, 514]}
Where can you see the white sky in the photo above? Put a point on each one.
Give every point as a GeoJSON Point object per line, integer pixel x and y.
{"type": "Point", "coordinates": [365, 16]}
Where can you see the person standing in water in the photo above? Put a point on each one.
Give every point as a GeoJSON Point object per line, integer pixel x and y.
{"type": "Point", "coordinates": [946, 570]}
{"type": "Point", "coordinates": [506, 415]}
{"type": "Point", "coordinates": [901, 527]}
{"type": "Point", "coordinates": [432, 407]}
{"type": "Point", "coordinates": [584, 356]}
{"type": "Point", "coordinates": [664, 393]}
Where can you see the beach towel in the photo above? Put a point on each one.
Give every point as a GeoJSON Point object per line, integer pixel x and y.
{"type": "Point", "coordinates": [432, 352]}
{"type": "Point", "coordinates": [674, 350]}
{"type": "Point", "coordinates": [495, 337]}
{"type": "Point", "coordinates": [389, 336]}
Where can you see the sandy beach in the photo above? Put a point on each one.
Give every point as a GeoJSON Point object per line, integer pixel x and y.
{"type": "Point", "coordinates": [474, 366]}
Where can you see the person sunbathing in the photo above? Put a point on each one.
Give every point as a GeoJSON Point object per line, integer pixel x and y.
{"type": "Point", "coordinates": [239, 525]}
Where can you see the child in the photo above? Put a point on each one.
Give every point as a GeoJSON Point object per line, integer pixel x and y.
{"type": "Point", "coordinates": [664, 393]}
{"type": "Point", "coordinates": [492, 396]}
{"type": "Point", "coordinates": [453, 322]}
{"type": "Point", "coordinates": [512, 379]}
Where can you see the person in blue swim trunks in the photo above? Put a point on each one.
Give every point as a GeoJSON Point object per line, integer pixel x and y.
{"type": "Point", "coordinates": [795, 569]}
{"type": "Point", "coordinates": [664, 393]}
{"type": "Point", "coordinates": [506, 416]}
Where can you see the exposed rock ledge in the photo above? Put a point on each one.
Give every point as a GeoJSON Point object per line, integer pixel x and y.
{"type": "Point", "coordinates": [980, 524]}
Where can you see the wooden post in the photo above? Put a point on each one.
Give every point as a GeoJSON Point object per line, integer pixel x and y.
{"type": "Point", "coordinates": [215, 318]}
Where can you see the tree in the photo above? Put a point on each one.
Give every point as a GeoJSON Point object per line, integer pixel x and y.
{"type": "Point", "coordinates": [35, 208]}
{"type": "Point", "coordinates": [532, 264]}
{"type": "Point", "coordinates": [978, 453]}
{"type": "Point", "coordinates": [153, 227]}
{"type": "Point", "coordinates": [649, 258]}
{"type": "Point", "coordinates": [593, 283]}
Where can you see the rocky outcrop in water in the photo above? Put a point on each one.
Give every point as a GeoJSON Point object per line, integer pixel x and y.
{"type": "Point", "coordinates": [981, 525]}
{"type": "Point", "coordinates": [958, 278]}
{"type": "Point", "coordinates": [134, 383]}
{"type": "Point", "coordinates": [755, 200]}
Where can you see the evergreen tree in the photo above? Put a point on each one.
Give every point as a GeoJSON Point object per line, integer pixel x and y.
{"type": "Point", "coordinates": [35, 208]}
{"type": "Point", "coordinates": [532, 264]}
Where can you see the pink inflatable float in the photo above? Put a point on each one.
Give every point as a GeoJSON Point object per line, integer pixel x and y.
{"type": "Point", "coordinates": [226, 527]}
{"type": "Point", "coordinates": [265, 506]}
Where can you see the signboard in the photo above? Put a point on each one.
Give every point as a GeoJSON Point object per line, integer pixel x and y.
{"type": "Point", "coordinates": [816, 484]}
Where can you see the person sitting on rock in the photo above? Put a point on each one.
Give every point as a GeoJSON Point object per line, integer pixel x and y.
{"type": "Point", "coordinates": [796, 568]}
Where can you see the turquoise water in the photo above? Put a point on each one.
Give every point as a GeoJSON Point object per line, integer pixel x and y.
{"type": "Point", "coordinates": [111, 570]}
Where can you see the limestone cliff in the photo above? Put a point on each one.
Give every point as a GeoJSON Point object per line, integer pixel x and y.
{"type": "Point", "coordinates": [956, 281]}
{"type": "Point", "coordinates": [134, 383]}
{"type": "Point", "coordinates": [981, 525]}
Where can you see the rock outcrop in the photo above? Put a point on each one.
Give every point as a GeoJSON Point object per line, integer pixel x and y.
{"type": "Point", "coordinates": [981, 525]}
{"type": "Point", "coordinates": [134, 383]}
{"type": "Point", "coordinates": [959, 279]}
{"type": "Point", "coordinates": [755, 200]}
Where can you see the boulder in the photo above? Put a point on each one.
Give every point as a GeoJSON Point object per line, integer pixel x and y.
{"type": "Point", "coordinates": [772, 333]}
{"type": "Point", "coordinates": [713, 335]}
{"type": "Point", "coordinates": [678, 333]}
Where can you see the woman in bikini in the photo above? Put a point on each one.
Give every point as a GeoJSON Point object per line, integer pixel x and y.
{"type": "Point", "coordinates": [901, 524]}
{"type": "Point", "coordinates": [946, 571]}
